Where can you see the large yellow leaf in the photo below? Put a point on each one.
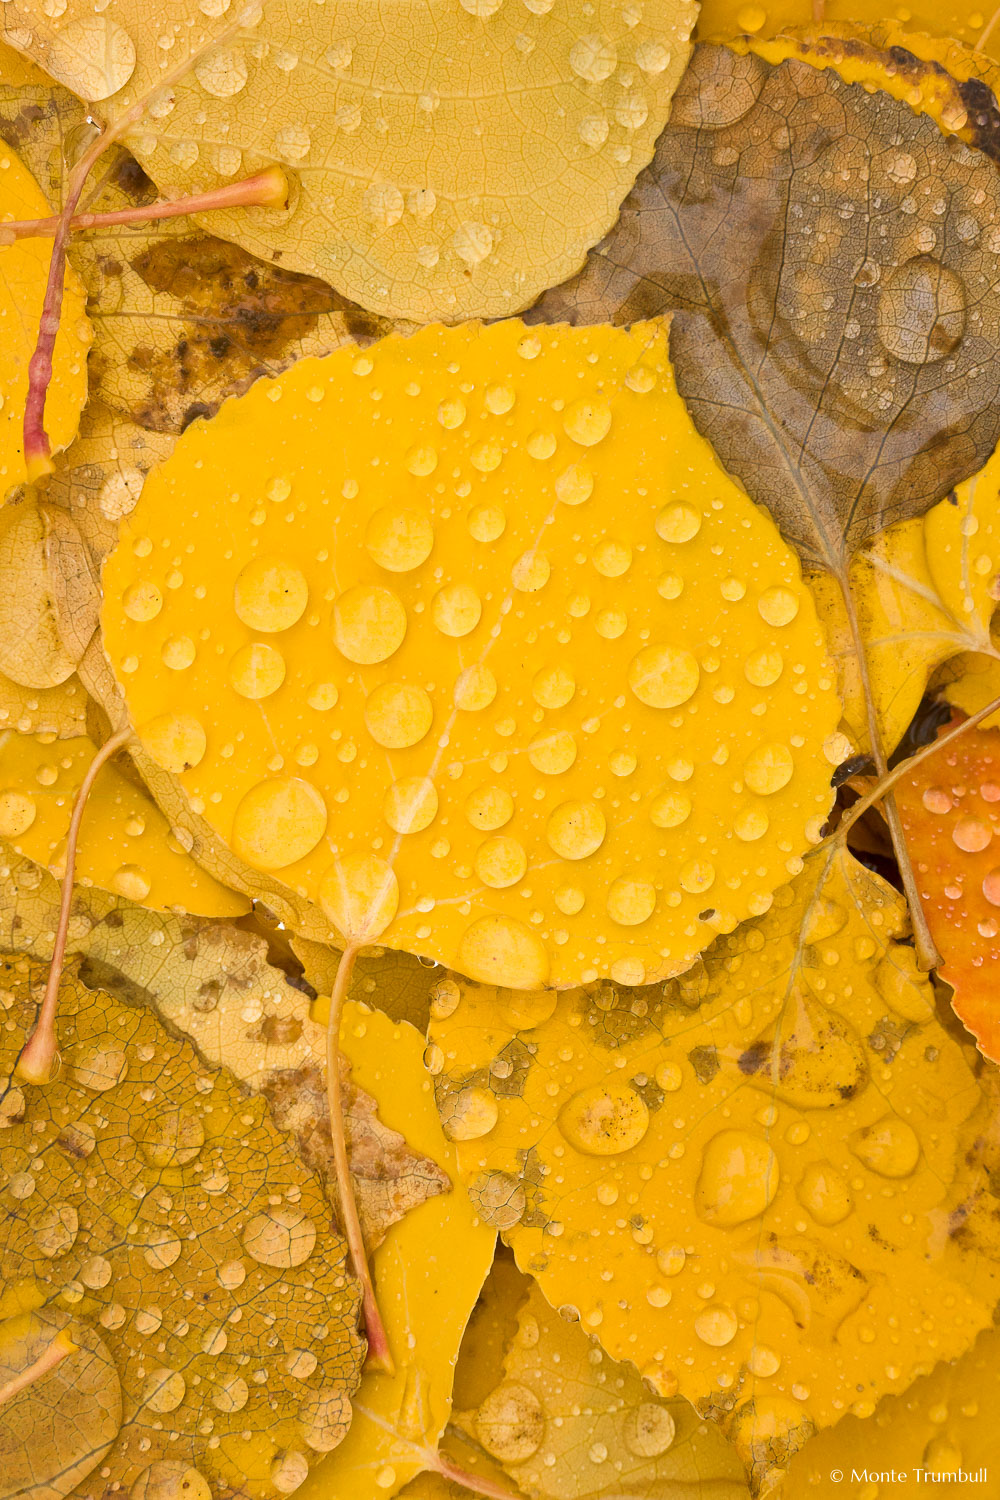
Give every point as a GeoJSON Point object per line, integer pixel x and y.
{"type": "Point", "coordinates": [450, 166]}
{"type": "Point", "coordinates": [152, 1210]}
{"type": "Point", "coordinates": [740, 1180]}
{"type": "Point", "coordinates": [428, 1274]}
{"type": "Point", "coordinates": [333, 656]}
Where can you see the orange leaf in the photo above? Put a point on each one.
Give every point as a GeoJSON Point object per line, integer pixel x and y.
{"type": "Point", "coordinates": [950, 806]}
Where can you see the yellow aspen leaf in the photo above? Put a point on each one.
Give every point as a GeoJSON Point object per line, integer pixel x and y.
{"type": "Point", "coordinates": [941, 1430]}
{"type": "Point", "coordinates": [59, 710]}
{"type": "Point", "coordinates": [924, 593]}
{"type": "Point", "coordinates": [429, 1272]}
{"type": "Point", "coordinates": [126, 844]}
{"type": "Point", "coordinates": [150, 1204]}
{"type": "Point", "coordinates": [387, 200]}
{"type": "Point", "coordinates": [49, 595]}
{"type": "Point", "coordinates": [737, 1180]}
{"type": "Point", "coordinates": [356, 722]}
{"type": "Point", "coordinates": [24, 269]}
{"type": "Point", "coordinates": [566, 1422]}
{"type": "Point", "coordinates": [724, 20]}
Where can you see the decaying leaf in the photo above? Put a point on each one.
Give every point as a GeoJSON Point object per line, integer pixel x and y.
{"type": "Point", "coordinates": [925, 593]}
{"type": "Point", "coordinates": [126, 844]}
{"type": "Point", "coordinates": [49, 596]}
{"type": "Point", "coordinates": [389, 1178]}
{"type": "Point", "coordinates": [950, 806]}
{"type": "Point", "coordinates": [838, 338]}
{"type": "Point", "coordinates": [213, 982]}
{"type": "Point", "coordinates": [398, 984]}
{"type": "Point", "coordinates": [941, 1426]}
{"type": "Point", "coordinates": [356, 723]}
{"type": "Point", "coordinates": [152, 1208]}
{"type": "Point", "coordinates": [429, 1273]}
{"type": "Point", "coordinates": [565, 1422]}
{"type": "Point", "coordinates": [738, 1180]}
{"type": "Point", "coordinates": [24, 268]}
{"type": "Point", "coordinates": [455, 174]}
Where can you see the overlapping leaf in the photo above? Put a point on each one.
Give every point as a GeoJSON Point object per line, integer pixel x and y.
{"type": "Point", "coordinates": [356, 724]}
{"type": "Point", "coordinates": [736, 1180]}
{"type": "Point", "coordinates": [455, 174]}
{"type": "Point", "coordinates": [154, 1214]}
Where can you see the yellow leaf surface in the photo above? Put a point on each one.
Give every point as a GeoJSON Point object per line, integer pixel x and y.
{"type": "Point", "coordinates": [49, 594]}
{"type": "Point", "coordinates": [925, 593]}
{"type": "Point", "coordinates": [942, 1425]}
{"type": "Point", "coordinates": [724, 19]}
{"type": "Point", "coordinates": [24, 269]}
{"type": "Point", "coordinates": [737, 1180]}
{"type": "Point", "coordinates": [566, 1422]}
{"type": "Point", "coordinates": [428, 1274]}
{"type": "Point", "coordinates": [150, 1205]}
{"type": "Point", "coordinates": [455, 176]}
{"type": "Point", "coordinates": [126, 844]}
{"type": "Point", "coordinates": [356, 721]}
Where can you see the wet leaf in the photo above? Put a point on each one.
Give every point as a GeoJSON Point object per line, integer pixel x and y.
{"type": "Point", "coordinates": [937, 1426]}
{"type": "Point", "coordinates": [212, 981]}
{"type": "Point", "coordinates": [565, 1422]}
{"type": "Point", "coordinates": [126, 845]}
{"type": "Point", "coordinates": [948, 808]}
{"type": "Point", "coordinates": [736, 1179]}
{"type": "Point", "coordinates": [387, 202]}
{"type": "Point", "coordinates": [428, 1273]}
{"type": "Point", "coordinates": [837, 337]}
{"type": "Point", "coordinates": [164, 1237]}
{"type": "Point", "coordinates": [391, 768]}
{"type": "Point", "coordinates": [49, 596]}
{"type": "Point", "coordinates": [398, 984]}
{"type": "Point", "coordinates": [726, 19]}
{"type": "Point", "coordinates": [60, 710]}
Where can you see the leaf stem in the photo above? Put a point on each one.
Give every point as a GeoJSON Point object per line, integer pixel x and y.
{"type": "Point", "coordinates": [37, 449]}
{"type": "Point", "coordinates": [478, 1484]}
{"type": "Point", "coordinates": [39, 1053]}
{"type": "Point", "coordinates": [926, 952]}
{"type": "Point", "coordinates": [907, 766]}
{"type": "Point", "coordinates": [379, 1353]}
{"type": "Point", "coordinates": [52, 1355]}
{"type": "Point", "coordinates": [267, 189]}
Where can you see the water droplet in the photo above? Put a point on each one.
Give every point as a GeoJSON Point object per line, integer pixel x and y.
{"type": "Point", "coordinates": [678, 523]}
{"type": "Point", "coordinates": [280, 1237]}
{"type": "Point", "coordinates": [270, 595]}
{"type": "Point", "coordinates": [410, 805]}
{"type": "Point", "coordinates": [278, 822]}
{"type": "Point", "coordinates": [164, 1390]}
{"type": "Point", "coordinates": [94, 56]}
{"type": "Point", "coordinates": [778, 606]}
{"type": "Point", "coordinates": [890, 1147]}
{"type": "Point", "coordinates": [587, 422]}
{"type": "Point", "coordinates": [936, 800]}
{"type": "Point", "coordinates": [605, 1119]}
{"type": "Point", "coordinates": [500, 862]}
{"type": "Point", "coordinates": [767, 769]}
{"type": "Point", "coordinates": [824, 1193]}
{"type": "Point", "coordinates": [738, 1180]}
{"type": "Point", "coordinates": [593, 58]}
{"type": "Point", "coordinates": [921, 311]}
{"type": "Point", "coordinates": [470, 1114]}
{"type": "Point", "coordinates": [475, 689]}
{"type": "Point", "coordinates": [472, 242]}
{"type": "Point", "coordinates": [257, 671]}
{"type": "Point", "coordinates": [576, 829]}
{"type": "Point", "coordinates": [631, 902]}
{"type": "Point", "coordinates": [510, 1423]}
{"type": "Point", "coordinates": [17, 813]}
{"type": "Point", "coordinates": [971, 835]}
{"type": "Point", "coordinates": [222, 72]}
{"type": "Point", "coordinates": [503, 951]}
{"type": "Point", "coordinates": [398, 715]}
{"type": "Point", "coordinates": [143, 601]}
{"type": "Point", "coordinates": [54, 1228]}
{"type": "Point", "coordinates": [369, 623]}
{"type": "Point", "coordinates": [717, 1326]}
{"type": "Point", "coordinates": [663, 676]}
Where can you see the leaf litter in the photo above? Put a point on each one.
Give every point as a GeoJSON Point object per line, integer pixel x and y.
{"type": "Point", "coordinates": [921, 592]}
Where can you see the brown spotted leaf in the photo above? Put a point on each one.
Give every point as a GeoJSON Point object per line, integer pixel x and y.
{"type": "Point", "coordinates": [147, 1197]}
{"type": "Point", "coordinates": [833, 261]}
